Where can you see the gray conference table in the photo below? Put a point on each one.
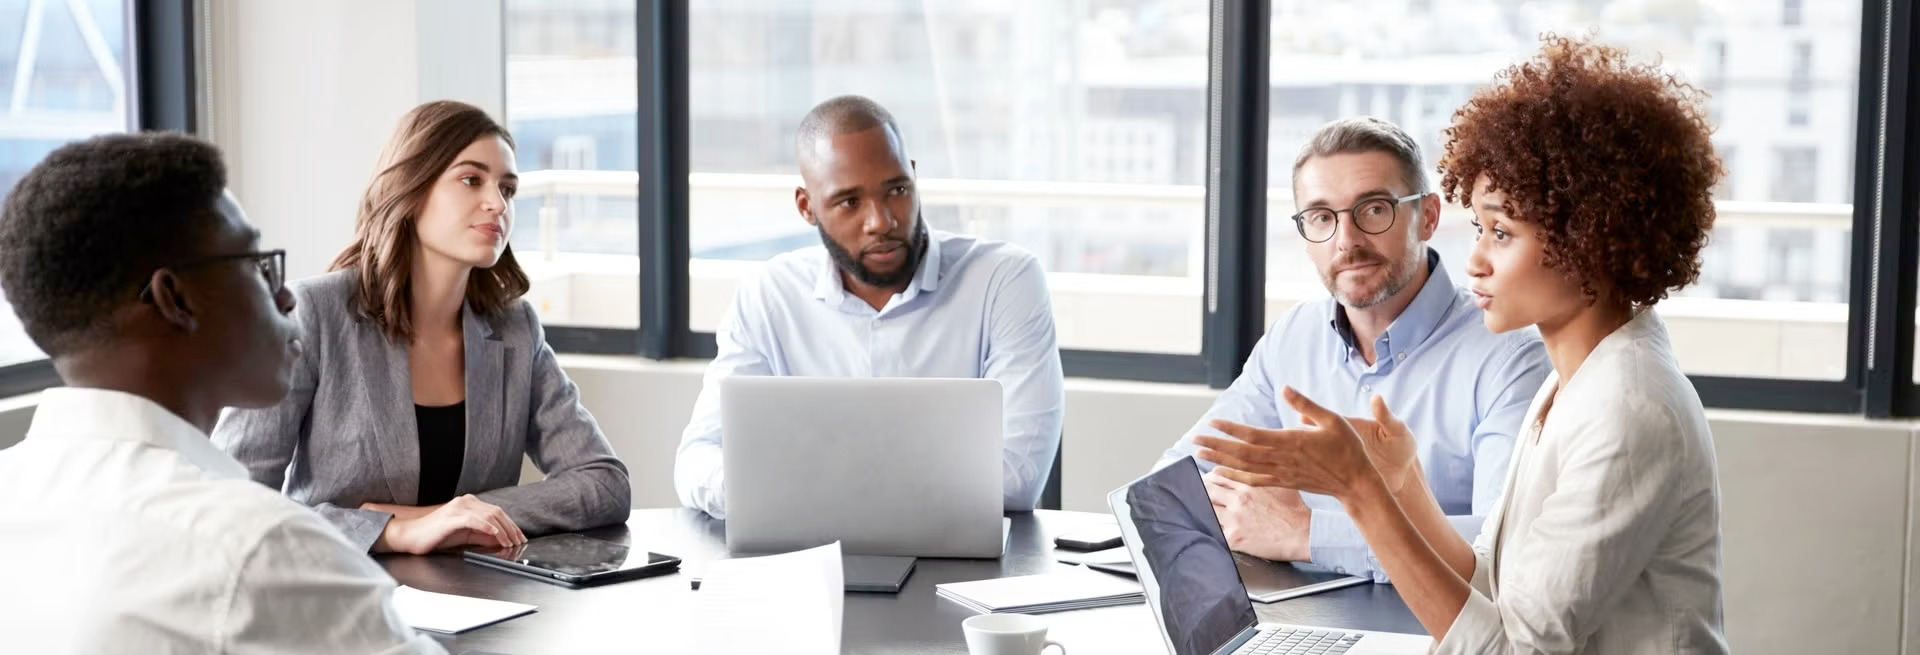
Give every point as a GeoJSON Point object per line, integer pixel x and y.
{"type": "Point", "coordinates": [657, 615]}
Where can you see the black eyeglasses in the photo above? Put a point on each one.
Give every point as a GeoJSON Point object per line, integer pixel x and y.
{"type": "Point", "coordinates": [1372, 216]}
{"type": "Point", "coordinates": [272, 263]}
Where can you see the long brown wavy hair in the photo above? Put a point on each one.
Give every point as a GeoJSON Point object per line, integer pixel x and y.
{"type": "Point", "coordinates": [385, 240]}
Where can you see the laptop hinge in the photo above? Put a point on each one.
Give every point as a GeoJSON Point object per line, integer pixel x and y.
{"type": "Point", "coordinates": [1246, 634]}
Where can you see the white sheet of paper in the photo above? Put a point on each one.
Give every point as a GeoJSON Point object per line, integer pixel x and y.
{"type": "Point", "coordinates": [447, 613]}
{"type": "Point", "coordinates": [787, 603]}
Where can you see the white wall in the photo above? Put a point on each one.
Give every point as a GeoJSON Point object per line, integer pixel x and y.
{"type": "Point", "coordinates": [1911, 607]}
{"type": "Point", "coordinates": [303, 95]}
{"type": "Point", "coordinates": [1815, 526]}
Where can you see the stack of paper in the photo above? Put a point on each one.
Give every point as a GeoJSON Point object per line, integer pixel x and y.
{"type": "Point", "coordinates": [782, 603]}
{"type": "Point", "coordinates": [1047, 592]}
{"type": "Point", "coordinates": [446, 613]}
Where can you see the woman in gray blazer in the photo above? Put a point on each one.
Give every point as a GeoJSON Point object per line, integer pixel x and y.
{"type": "Point", "coordinates": [425, 376]}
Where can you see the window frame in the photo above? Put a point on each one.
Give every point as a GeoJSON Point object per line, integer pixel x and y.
{"type": "Point", "coordinates": [163, 82]}
{"type": "Point", "coordinates": [1889, 151]}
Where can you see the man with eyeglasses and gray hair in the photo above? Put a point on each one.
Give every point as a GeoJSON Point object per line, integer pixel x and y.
{"type": "Point", "coordinates": [1396, 330]}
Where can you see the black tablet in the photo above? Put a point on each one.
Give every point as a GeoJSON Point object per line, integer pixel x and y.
{"type": "Point", "coordinates": [573, 560]}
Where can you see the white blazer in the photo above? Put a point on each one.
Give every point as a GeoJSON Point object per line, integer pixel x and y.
{"type": "Point", "coordinates": [1607, 538]}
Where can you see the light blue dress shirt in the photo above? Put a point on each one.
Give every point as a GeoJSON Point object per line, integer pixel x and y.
{"type": "Point", "coordinates": [1461, 389]}
{"type": "Point", "coordinates": [976, 309]}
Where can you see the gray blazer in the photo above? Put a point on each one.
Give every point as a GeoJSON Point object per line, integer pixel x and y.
{"type": "Point", "coordinates": [345, 434]}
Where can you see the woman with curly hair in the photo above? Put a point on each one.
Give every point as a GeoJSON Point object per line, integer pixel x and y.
{"type": "Point", "coordinates": [1590, 179]}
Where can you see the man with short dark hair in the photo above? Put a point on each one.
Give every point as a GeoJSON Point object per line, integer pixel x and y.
{"type": "Point", "coordinates": [1396, 330]}
{"type": "Point", "coordinates": [884, 296]}
{"type": "Point", "coordinates": [128, 531]}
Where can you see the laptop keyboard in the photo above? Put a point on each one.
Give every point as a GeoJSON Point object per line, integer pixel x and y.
{"type": "Point", "coordinates": [1295, 641]}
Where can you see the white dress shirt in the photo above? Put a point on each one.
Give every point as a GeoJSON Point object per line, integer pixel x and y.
{"type": "Point", "coordinates": [975, 309]}
{"type": "Point", "coordinates": [1607, 539]}
{"type": "Point", "coordinates": [128, 532]}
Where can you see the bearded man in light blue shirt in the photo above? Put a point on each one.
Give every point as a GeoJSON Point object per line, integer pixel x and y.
{"type": "Point", "coordinates": [1395, 328]}
{"type": "Point", "coordinates": [885, 296]}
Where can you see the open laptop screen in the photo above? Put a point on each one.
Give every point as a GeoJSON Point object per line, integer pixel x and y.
{"type": "Point", "coordinates": [1174, 535]}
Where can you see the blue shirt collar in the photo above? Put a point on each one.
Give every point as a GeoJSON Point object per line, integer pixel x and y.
{"type": "Point", "coordinates": [828, 287]}
{"type": "Point", "coordinates": [1417, 322]}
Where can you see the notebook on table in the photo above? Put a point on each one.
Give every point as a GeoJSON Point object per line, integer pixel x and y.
{"type": "Point", "coordinates": [1047, 592]}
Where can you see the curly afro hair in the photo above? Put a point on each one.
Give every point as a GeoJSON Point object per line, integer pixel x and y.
{"type": "Point", "coordinates": [82, 232]}
{"type": "Point", "coordinates": [1613, 161]}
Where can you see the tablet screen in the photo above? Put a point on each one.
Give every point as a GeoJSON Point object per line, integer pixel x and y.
{"type": "Point", "coordinates": [574, 555]}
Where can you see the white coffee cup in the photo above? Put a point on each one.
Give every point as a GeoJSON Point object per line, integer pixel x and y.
{"type": "Point", "coordinates": [1007, 634]}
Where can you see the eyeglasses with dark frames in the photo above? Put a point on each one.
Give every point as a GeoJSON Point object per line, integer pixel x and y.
{"type": "Point", "coordinates": [1372, 216]}
{"type": "Point", "coordinates": [272, 264]}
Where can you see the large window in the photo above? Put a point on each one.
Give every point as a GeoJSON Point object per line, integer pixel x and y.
{"type": "Point", "coordinates": [1772, 299]}
{"type": "Point", "coordinates": [571, 98]}
{"type": "Point", "coordinates": [1112, 139]}
{"type": "Point", "coordinates": [64, 76]}
{"type": "Point", "coordinates": [1074, 129]}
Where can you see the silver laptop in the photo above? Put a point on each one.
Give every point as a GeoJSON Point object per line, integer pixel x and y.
{"type": "Point", "coordinates": [1194, 588]}
{"type": "Point", "coordinates": [885, 466]}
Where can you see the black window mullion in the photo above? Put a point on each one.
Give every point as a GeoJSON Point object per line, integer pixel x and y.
{"type": "Point", "coordinates": [1901, 197]}
{"type": "Point", "coordinates": [1776, 394]}
{"type": "Point", "coordinates": [27, 377]}
{"type": "Point", "coordinates": [663, 166]}
{"type": "Point", "coordinates": [1234, 298]}
{"type": "Point", "coordinates": [163, 65]}
{"type": "Point", "coordinates": [1885, 211]}
{"type": "Point", "coordinates": [590, 340]}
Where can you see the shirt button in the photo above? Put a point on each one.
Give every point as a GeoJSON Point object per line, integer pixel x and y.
{"type": "Point", "coordinates": [1368, 388]}
{"type": "Point", "coordinates": [1399, 357]}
